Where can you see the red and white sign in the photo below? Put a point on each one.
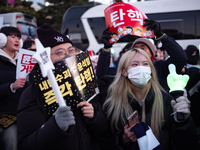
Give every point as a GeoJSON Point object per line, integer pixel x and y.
{"type": "Point", "coordinates": [25, 63]}
{"type": "Point", "coordinates": [94, 60]}
{"type": "Point", "coordinates": [125, 19]}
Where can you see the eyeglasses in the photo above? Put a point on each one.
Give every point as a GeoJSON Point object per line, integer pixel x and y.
{"type": "Point", "coordinates": [71, 49]}
{"type": "Point", "coordinates": [60, 53]}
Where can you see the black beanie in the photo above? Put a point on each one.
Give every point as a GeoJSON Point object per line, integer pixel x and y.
{"type": "Point", "coordinates": [49, 37]}
{"type": "Point", "coordinates": [190, 50]}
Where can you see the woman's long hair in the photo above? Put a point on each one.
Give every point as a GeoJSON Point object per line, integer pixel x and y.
{"type": "Point", "coordinates": [117, 105]}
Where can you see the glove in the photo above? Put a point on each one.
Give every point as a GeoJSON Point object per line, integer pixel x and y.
{"type": "Point", "coordinates": [64, 117]}
{"type": "Point", "coordinates": [153, 25]}
{"type": "Point", "coordinates": [182, 105]}
{"type": "Point", "coordinates": [105, 38]}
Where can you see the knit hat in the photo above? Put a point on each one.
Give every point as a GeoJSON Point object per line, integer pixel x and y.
{"type": "Point", "coordinates": [148, 43]}
{"type": "Point", "coordinates": [49, 37]}
{"type": "Point", "coordinates": [190, 50]}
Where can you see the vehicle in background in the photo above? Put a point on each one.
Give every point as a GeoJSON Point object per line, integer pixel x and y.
{"type": "Point", "coordinates": [73, 26]}
{"type": "Point", "coordinates": [27, 24]}
{"type": "Point", "coordinates": [179, 19]}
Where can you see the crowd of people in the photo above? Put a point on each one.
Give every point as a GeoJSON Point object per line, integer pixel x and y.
{"type": "Point", "coordinates": [136, 82]}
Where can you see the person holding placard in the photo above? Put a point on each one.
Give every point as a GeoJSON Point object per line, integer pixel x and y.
{"type": "Point", "coordinates": [76, 129]}
{"type": "Point", "coordinates": [10, 88]}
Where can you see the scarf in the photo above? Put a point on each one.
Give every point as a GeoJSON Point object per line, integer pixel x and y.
{"type": "Point", "coordinates": [145, 138]}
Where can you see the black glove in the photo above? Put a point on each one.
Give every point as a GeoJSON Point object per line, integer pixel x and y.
{"type": "Point", "coordinates": [153, 25]}
{"type": "Point", "coordinates": [64, 117]}
{"type": "Point", "coordinates": [105, 38]}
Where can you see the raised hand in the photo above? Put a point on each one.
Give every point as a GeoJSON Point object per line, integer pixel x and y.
{"type": "Point", "coordinates": [153, 25]}
{"type": "Point", "coordinates": [105, 38]}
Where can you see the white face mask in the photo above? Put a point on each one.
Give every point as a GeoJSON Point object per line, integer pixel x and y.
{"type": "Point", "coordinates": [140, 75]}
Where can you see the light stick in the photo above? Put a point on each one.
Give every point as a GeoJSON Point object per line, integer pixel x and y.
{"type": "Point", "coordinates": [176, 84]}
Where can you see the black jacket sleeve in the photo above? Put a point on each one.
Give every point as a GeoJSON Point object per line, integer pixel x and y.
{"type": "Point", "coordinates": [177, 55]}
{"type": "Point", "coordinates": [105, 75]}
{"type": "Point", "coordinates": [36, 132]}
{"type": "Point", "coordinates": [184, 135]}
{"type": "Point", "coordinates": [104, 72]}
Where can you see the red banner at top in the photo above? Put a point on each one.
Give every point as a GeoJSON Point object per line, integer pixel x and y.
{"type": "Point", "coordinates": [125, 19]}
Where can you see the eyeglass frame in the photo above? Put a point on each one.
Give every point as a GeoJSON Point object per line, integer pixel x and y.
{"type": "Point", "coordinates": [69, 49]}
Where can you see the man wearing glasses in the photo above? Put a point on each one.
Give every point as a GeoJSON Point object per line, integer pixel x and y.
{"type": "Point", "coordinates": [66, 129]}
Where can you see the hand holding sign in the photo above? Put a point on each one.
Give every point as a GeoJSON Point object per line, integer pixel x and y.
{"type": "Point", "coordinates": [153, 25]}
{"type": "Point", "coordinates": [125, 20]}
{"type": "Point", "coordinates": [42, 56]}
{"type": "Point", "coordinates": [177, 84]}
{"type": "Point", "coordinates": [106, 36]}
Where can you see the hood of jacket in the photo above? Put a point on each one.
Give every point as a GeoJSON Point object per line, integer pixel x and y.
{"type": "Point", "coordinates": [12, 60]}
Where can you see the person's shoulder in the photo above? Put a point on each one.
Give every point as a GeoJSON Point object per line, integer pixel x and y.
{"type": "Point", "coordinates": [27, 99]}
{"type": "Point", "coordinates": [3, 59]}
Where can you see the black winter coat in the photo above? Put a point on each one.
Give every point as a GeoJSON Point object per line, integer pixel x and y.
{"type": "Point", "coordinates": [194, 74]}
{"type": "Point", "coordinates": [174, 136]}
{"type": "Point", "coordinates": [177, 57]}
{"type": "Point", "coordinates": [8, 100]}
{"type": "Point", "coordinates": [36, 131]}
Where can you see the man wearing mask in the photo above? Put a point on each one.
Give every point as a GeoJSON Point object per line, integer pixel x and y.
{"type": "Point", "coordinates": [66, 129]}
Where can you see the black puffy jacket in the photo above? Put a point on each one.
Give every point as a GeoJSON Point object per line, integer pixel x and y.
{"type": "Point", "coordinates": [173, 136]}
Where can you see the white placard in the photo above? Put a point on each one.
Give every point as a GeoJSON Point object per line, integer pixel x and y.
{"type": "Point", "coordinates": [25, 63]}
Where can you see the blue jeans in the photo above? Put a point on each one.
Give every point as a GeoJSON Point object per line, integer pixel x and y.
{"type": "Point", "coordinates": [8, 138]}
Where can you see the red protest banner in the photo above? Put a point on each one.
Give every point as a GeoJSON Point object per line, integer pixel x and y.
{"type": "Point", "coordinates": [125, 19]}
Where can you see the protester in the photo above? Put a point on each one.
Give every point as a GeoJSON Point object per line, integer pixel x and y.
{"type": "Point", "coordinates": [29, 44]}
{"type": "Point", "coordinates": [74, 51]}
{"type": "Point", "coordinates": [105, 74]}
{"type": "Point", "coordinates": [177, 55]}
{"type": "Point", "coordinates": [159, 55]}
{"type": "Point", "coordinates": [191, 50]}
{"type": "Point", "coordinates": [136, 87]}
{"type": "Point", "coordinates": [69, 130]}
{"type": "Point", "coordinates": [125, 49]}
{"type": "Point", "coordinates": [193, 86]}
{"type": "Point", "coordinates": [99, 52]}
{"type": "Point", "coordinates": [10, 88]}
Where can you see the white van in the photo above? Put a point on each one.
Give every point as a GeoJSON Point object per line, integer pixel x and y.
{"type": "Point", "coordinates": [27, 24]}
{"type": "Point", "coordinates": [179, 19]}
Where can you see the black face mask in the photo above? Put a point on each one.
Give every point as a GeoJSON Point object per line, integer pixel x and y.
{"type": "Point", "coordinates": [63, 58]}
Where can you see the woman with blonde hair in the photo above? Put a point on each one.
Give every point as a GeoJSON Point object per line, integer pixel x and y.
{"type": "Point", "coordinates": [136, 87]}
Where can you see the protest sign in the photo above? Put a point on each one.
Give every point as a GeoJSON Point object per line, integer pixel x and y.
{"type": "Point", "coordinates": [76, 79]}
{"type": "Point", "coordinates": [25, 63]}
{"type": "Point", "coordinates": [6, 120]}
{"type": "Point", "coordinates": [125, 19]}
